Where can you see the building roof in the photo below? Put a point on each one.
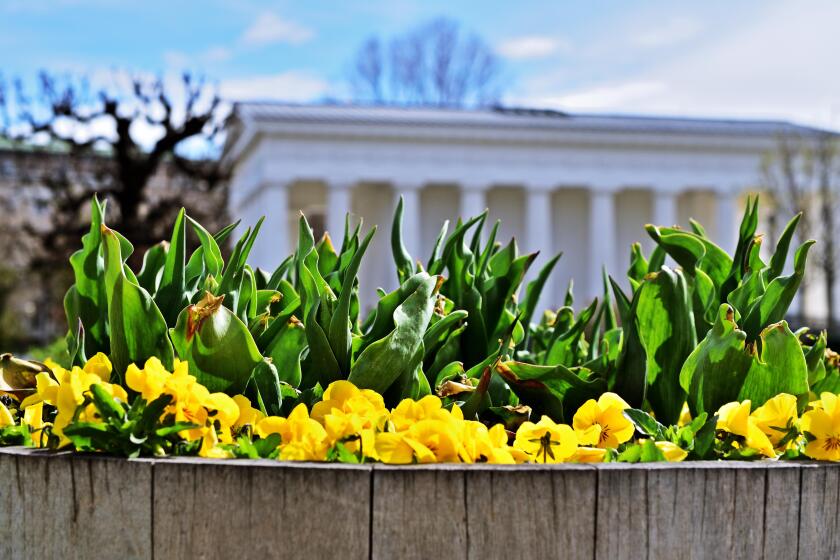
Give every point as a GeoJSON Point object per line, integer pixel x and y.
{"type": "Point", "coordinates": [249, 120]}
{"type": "Point", "coordinates": [509, 117]}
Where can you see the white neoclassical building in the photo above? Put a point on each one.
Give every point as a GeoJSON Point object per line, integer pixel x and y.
{"type": "Point", "coordinates": [581, 184]}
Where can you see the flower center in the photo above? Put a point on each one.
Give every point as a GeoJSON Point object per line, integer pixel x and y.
{"type": "Point", "coordinates": [545, 447]}
{"type": "Point", "coordinates": [605, 433]}
{"type": "Point", "coordinates": [832, 443]}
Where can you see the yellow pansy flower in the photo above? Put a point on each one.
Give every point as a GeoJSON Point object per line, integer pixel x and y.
{"type": "Point", "coordinates": [393, 448]}
{"type": "Point", "coordinates": [149, 381]}
{"type": "Point", "coordinates": [735, 418]}
{"type": "Point", "coordinates": [408, 411]}
{"type": "Point", "coordinates": [823, 425]}
{"type": "Point", "coordinates": [685, 415]}
{"type": "Point", "coordinates": [545, 441]}
{"type": "Point", "coordinates": [588, 455]}
{"type": "Point", "coordinates": [6, 418]}
{"type": "Point", "coordinates": [33, 417]}
{"type": "Point", "coordinates": [248, 415]}
{"type": "Point", "coordinates": [302, 438]}
{"type": "Point", "coordinates": [100, 366]}
{"type": "Point", "coordinates": [777, 417]}
{"type": "Point", "coordinates": [602, 423]}
{"type": "Point", "coordinates": [672, 452]}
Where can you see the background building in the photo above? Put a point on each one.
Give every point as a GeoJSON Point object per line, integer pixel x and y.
{"type": "Point", "coordinates": [581, 184]}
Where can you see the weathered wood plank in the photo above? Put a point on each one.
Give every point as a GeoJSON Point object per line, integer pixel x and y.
{"type": "Point", "coordinates": [539, 513]}
{"type": "Point", "coordinates": [622, 513]}
{"type": "Point", "coordinates": [66, 506]}
{"type": "Point", "coordinates": [261, 509]}
{"type": "Point", "coordinates": [819, 517]}
{"type": "Point", "coordinates": [781, 507]}
{"type": "Point", "coordinates": [419, 512]}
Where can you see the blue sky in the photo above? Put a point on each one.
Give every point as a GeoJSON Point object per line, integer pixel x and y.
{"type": "Point", "coordinates": [751, 58]}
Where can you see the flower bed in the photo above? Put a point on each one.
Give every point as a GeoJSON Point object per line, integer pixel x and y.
{"type": "Point", "coordinates": [192, 355]}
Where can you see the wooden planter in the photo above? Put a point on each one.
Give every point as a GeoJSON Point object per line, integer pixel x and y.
{"type": "Point", "coordinates": [64, 505]}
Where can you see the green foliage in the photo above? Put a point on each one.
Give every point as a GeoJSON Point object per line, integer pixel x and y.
{"type": "Point", "coordinates": [129, 431]}
{"type": "Point", "coordinates": [709, 331]}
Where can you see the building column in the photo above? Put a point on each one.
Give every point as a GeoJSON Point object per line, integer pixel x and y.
{"type": "Point", "coordinates": [272, 244]}
{"type": "Point", "coordinates": [339, 202]}
{"type": "Point", "coordinates": [727, 218]}
{"type": "Point", "coordinates": [664, 208]}
{"type": "Point", "coordinates": [473, 200]}
{"type": "Point", "coordinates": [538, 237]}
{"type": "Point", "coordinates": [602, 237]}
{"type": "Point", "coordinates": [411, 225]}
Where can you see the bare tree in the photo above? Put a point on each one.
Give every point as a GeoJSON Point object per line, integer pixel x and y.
{"type": "Point", "coordinates": [65, 140]}
{"type": "Point", "coordinates": [435, 64]}
{"type": "Point", "coordinates": [800, 175]}
{"type": "Point", "coordinates": [102, 130]}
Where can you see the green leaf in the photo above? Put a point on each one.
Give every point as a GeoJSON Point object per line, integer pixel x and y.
{"type": "Point", "coordinates": [534, 290]}
{"type": "Point", "coordinates": [107, 406]}
{"type": "Point", "coordinates": [553, 390]}
{"type": "Point", "coordinates": [645, 423]}
{"type": "Point", "coordinates": [778, 367]}
{"type": "Point", "coordinates": [383, 361]}
{"type": "Point", "coordinates": [266, 387]}
{"type": "Point", "coordinates": [773, 305]}
{"type": "Point", "coordinates": [666, 331]}
{"type": "Point", "coordinates": [153, 261]}
{"type": "Point", "coordinates": [402, 258]}
{"type": "Point", "coordinates": [138, 329]}
{"type": "Point", "coordinates": [714, 372]}
{"type": "Point", "coordinates": [171, 295]}
{"type": "Point", "coordinates": [87, 300]}
{"type": "Point", "coordinates": [216, 343]}
{"type": "Point", "coordinates": [340, 323]}
{"type": "Point", "coordinates": [285, 350]}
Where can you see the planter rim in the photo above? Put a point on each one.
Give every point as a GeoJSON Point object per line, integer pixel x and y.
{"type": "Point", "coordinates": [463, 467]}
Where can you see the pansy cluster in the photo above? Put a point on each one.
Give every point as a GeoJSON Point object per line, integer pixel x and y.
{"type": "Point", "coordinates": [81, 408]}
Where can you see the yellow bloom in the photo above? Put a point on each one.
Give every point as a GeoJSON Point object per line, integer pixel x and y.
{"type": "Point", "coordinates": [100, 366]}
{"type": "Point", "coordinates": [395, 449]}
{"type": "Point", "coordinates": [685, 416]}
{"type": "Point", "coordinates": [248, 415]}
{"type": "Point", "coordinates": [588, 455]}
{"type": "Point", "coordinates": [149, 381]}
{"type": "Point", "coordinates": [210, 446]}
{"type": "Point", "coordinates": [823, 425]}
{"type": "Point", "coordinates": [33, 417]}
{"type": "Point", "coordinates": [6, 418]}
{"type": "Point", "coordinates": [776, 417]}
{"type": "Point", "coordinates": [426, 441]}
{"type": "Point", "coordinates": [545, 441]}
{"type": "Point", "coordinates": [303, 439]}
{"type": "Point", "coordinates": [408, 411]}
{"type": "Point", "coordinates": [673, 453]}
{"type": "Point", "coordinates": [603, 423]}
{"type": "Point", "coordinates": [735, 418]}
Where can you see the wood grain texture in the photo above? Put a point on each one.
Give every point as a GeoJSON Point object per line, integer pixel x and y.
{"type": "Point", "coordinates": [819, 516]}
{"type": "Point", "coordinates": [260, 509]}
{"type": "Point", "coordinates": [85, 506]}
{"type": "Point", "coordinates": [419, 512]}
{"type": "Point", "coordinates": [65, 506]}
{"type": "Point", "coordinates": [539, 513]}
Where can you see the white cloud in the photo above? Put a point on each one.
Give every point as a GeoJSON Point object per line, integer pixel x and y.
{"type": "Point", "coordinates": [603, 97]}
{"type": "Point", "coordinates": [270, 28]}
{"type": "Point", "coordinates": [778, 66]}
{"type": "Point", "coordinates": [530, 46]}
{"type": "Point", "coordinates": [217, 54]}
{"type": "Point", "coordinates": [668, 33]}
{"type": "Point", "coordinates": [293, 85]}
